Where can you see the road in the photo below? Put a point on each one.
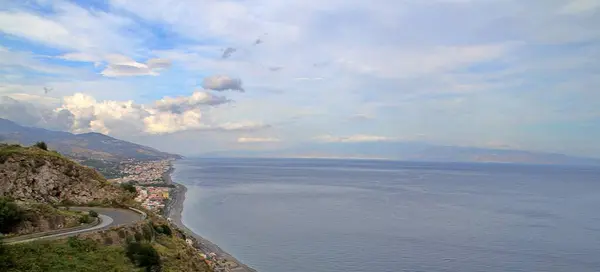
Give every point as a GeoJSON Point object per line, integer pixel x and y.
{"type": "Point", "coordinates": [109, 217]}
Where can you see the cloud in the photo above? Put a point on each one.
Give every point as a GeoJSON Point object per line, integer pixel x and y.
{"type": "Point", "coordinates": [119, 65]}
{"type": "Point", "coordinates": [359, 138]}
{"type": "Point", "coordinates": [80, 113]}
{"type": "Point", "coordinates": [29, 115]}
{"type": "Point", "coordinates": [184, 103]}
{"type": "Point", "coordinates": [242, 126]}
{"type": "Point", "coordinates": [362, 117]}
{"type": "Point", "coordinates": [257, 140]}
{"type": "Point", "coordinates": [308, 78]}
{"type": "Point", "coordinates": [580, 6]}
{"type": "Point", "coordinates": [68, 26]}
{"type": "Point", "coordinates": [168, 122]}
{"type": "Point", "coordinates": [228, 52]}
{"type": "Point", "coordinates": [222, 83]}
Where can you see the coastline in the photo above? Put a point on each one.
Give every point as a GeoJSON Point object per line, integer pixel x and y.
{"type": "Point", "coordinates": [174, 211]}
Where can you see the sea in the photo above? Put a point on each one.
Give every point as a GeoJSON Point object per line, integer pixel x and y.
{"type": "Point", "coordinates": [322, 215]}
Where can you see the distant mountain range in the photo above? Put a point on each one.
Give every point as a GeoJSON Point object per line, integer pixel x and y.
{"type": "Point", "coordinates": [80, 146]}
{"type": "Point", "coordinates": [101, 147]}
{"type": "Point", "coordinates": [412, 151]}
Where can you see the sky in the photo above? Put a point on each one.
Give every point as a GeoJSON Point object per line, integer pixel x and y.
{"type": "Point", "coordinates": [194, 76]}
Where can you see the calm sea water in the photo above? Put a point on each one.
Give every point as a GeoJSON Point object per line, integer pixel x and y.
{"type": "Point", "coordinates": [284, 215]}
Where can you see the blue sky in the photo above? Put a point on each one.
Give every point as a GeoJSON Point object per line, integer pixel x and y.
{"type": "Point", "coordinates": [485, 73]}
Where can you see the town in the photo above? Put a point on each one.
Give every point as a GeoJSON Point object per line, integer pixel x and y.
{"type": "Point", "coordinates": [151, 181]}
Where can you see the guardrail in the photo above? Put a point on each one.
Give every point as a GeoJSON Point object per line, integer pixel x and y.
{"type": "Point", "coordinates": [26, 237]}
{"type": "Point", "coordinates": [144, 215]}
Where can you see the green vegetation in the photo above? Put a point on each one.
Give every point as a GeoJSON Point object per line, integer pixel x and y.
{"type": "Point", "coordinates": [129, 187]}
{"type": "Point", "coordinates": [109, 169]}
{"type": "Point", "coordinates": [10, 215]}
{"type": "Point", "coordinates": [5, 259]}
{"type": "Point", "coordinates": [64, 255]}
{"type": "Point", "coordinates": [93, 214]}
{"type": "Point", "coordinates": [143, 255]}
{"type": "Point", "coordinates": [85, 219]}
{"type": "Point", "coordinates": [163, 229]}
{"type": "Point", "coordinates": [33, 152]}
{"type": "Point", "coordinates": [41, 145]}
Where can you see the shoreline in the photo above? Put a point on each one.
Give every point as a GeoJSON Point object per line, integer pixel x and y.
{"type": "Point", "coordinates": [174, 211]}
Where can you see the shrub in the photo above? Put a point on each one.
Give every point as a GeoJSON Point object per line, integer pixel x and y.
{"type": "Point", "coordinates": [129, 187]}
{"type": "Point", "coordinates": [147, 232]}
{"type": "Point", "coordinates": [163, 229]}
{"type": "Point", "coordinates": [85, 219]}
{"type": "Point", "coordinates": [85, 245]}
{"type": "Point", "coordinates": [10, 215]}
{"type": "Point", "coordinates": [93, 213]}
{"type": "Point", "coordinates": [108, 241]}
{"type": "Point", "coordinates": [41, 145]}
{"type": "Point", "coordinates": [143, 255]}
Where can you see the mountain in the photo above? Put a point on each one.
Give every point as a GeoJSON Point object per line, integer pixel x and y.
{"type": "Point", "coordinates": [412, 151]}
{"type": "Point", "coordinates": [32, 174]}
{"type": "Point", "coordinates": [80, 146]}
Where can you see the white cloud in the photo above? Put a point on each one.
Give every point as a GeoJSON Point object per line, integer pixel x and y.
{"type": "Point", "coordinates": [581, 6]}
{"type": "Point", "coordinates": [242, 126]}
{"type": "Point", "coordinates": [28, 61]}
{"type": "Point", "coordinates": [70, 26]}
{"type": "Point", "coordinates": [167, 122]}
{"type": "Point", "coordinates": [257, 140]}
{"type": "Point", "coordinates": [39, 29]}
{"type": "Point", "coordinates": [222, 83]}
{"type": "Point", "coordinates": [28, 114]}
{"type": "Point", "coordinates": [183, 103]}
{"type": "Point", "coordinates": [119, 65]}
{"type": "Point", "coordinates": [359, 138]}
{"type": "Point", "coordinates": [81, 113]}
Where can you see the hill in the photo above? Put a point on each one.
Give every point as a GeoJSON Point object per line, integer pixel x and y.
{"type": "Point", "coordinates": [80, 146]}
{"type": "Point", "coordinates": [31, 174]}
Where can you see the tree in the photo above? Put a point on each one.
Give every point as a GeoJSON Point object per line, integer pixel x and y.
{"type": "Point", "coordinates": [129, 187]}
{"type": "Point", "coordinates": [166, 230]}
{"type": "Point", "coordinates": [143, 255]}
{"type": "Point", "coordinates": [41, 145]}
{"type": "Point", "coordinates": [93, 213]}
{"type": "Point", "coordinates": [10, 215]}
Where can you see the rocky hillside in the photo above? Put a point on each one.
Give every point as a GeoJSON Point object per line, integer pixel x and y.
{"type": "Point", "coordinates": [36, 217]}
{"type": "Point", "coordinates": [32, 174]}
{"type": "Point", "coordinates": [80, 146]}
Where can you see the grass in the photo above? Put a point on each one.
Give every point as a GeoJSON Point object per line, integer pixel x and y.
{"type": "Point", "coordinates": [67, 255]}
{"type": "Point", "coordinates": [8, 150]}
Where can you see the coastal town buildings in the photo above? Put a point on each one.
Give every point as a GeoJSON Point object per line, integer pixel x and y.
{"type": "Point", "coordinates": [149, 178]}
{"type": "Point", "coordinates": [152, 198]}
{"type": "Point", "coordinates": [143, 172]}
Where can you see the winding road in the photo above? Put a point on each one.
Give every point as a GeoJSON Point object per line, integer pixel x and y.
{"type": "Point", "coordinates": [109, 217]}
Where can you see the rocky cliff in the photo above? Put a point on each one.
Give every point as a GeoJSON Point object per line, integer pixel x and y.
{"type": "Point", "coordinates": [43, 217]}
{"type": "Point", "coordinates": [31, 174]}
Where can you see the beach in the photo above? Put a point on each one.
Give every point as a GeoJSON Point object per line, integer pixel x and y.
{"type": "Point", "coordinates": [174, 210]}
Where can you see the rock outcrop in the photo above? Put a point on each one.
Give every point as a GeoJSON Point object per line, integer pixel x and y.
{"type": "Point", "coordinates": [43, 217]}
{"type": "Point", "coordinates": [31, 174]}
